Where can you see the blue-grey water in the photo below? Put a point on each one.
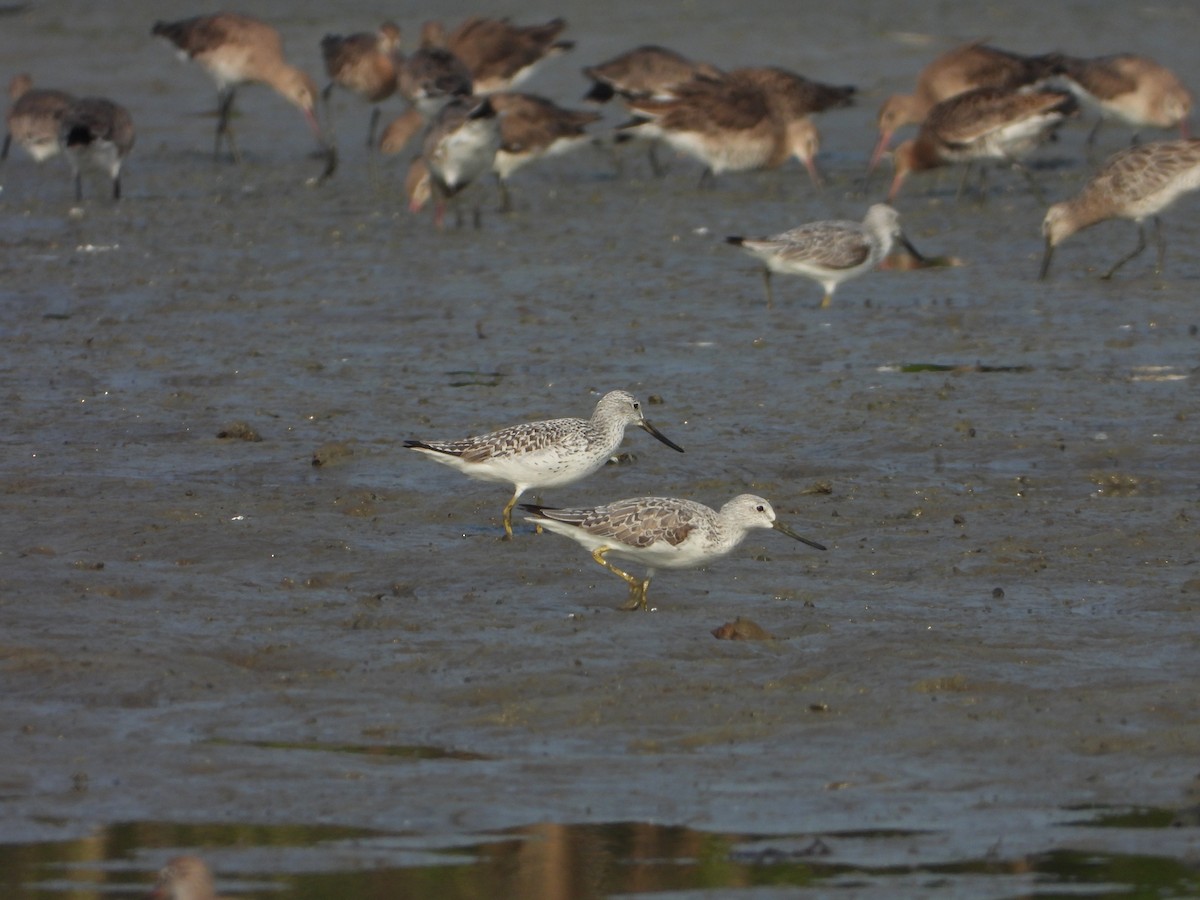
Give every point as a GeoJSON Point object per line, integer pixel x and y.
{"type": "Point", "coordinates": [232, 648]}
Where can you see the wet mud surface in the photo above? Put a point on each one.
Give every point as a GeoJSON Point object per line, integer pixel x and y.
{"type": "Point", "coordinates": [197, 621]}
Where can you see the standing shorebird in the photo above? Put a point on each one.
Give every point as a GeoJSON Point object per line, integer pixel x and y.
{"type": "Point", "coordinates": [33, 119]}
{"type": "Point", "coordinates": [728, 125]}
{"type": "Point", "coordinates": [660, 533]}
{"type": "Point", "coordinates": [1130, 89]}
{"type": "Point", "coordinates": [365, 64]}
{"type": "Point", "coordinates": [96, 133]}
{"type": "Point", "coordinates": [984, 124]}
{"type": "Point", "coordinates": [459, 147]}
{"type": "Point", "coordinates": [964, 68]}
{"type": "Point", "coordinates": [533, 128]}
{"type": "Point", "coordinates": [501, 55]}
{"type": "Point", "coordinates": [185, 878]}
{"type": "Point", "coordinates": [829, 252]}
{"type": "Point", "coordinates": [1137, 183]}
{"type": "Point", "coordinates": [544, 454]}
{"type": "Point", "coordinates": [648, 72]}
{"type": "Point", "coordinates": [234, 50]}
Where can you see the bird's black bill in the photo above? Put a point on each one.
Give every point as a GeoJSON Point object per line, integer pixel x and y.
{"type": "Point", "coordinates": [779, 526]}
{"type": "Point", "coordinates": [916, 254]}
{"type": "Point", "coordinates": [646, 426]}
{"type": "Point", "coordinates": [1046, 261]}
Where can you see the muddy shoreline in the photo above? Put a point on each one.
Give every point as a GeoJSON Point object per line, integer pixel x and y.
{"type": "Point", "coordinates": [206, 629]}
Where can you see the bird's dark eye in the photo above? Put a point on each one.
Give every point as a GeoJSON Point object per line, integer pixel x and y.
{"type": "Point", "coordinates": [636, 405]}
{"type": "Point", "coordinates": [761, 508]}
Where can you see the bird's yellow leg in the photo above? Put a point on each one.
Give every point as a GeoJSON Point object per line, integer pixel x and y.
{"type": "Point", "coordinates": [826, 301]}
{"type": "Point", "coordinates": [508, 517]}
{"type": "Point", "coordinates": [637, 589]}
{"type": "Point", "coordinates": [637, 595]}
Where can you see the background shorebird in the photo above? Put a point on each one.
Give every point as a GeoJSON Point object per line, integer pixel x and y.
{"type": "Point", "coordinates": [366, 65]}
{"type": "Point", "coordinates": [829, 252]}
{"type": "Point", "coordinates": [728, 125]}
{"type": "Point", "coordinates": [533, 128]}
{"type": "Point", "coordinates": [97, 134]}
{"type": "Point", "coordinates": [1130, 89]}
{"type": "Point", "coordinates": [660, 533]}
{"type": "Point", "coordinates": [964, 68]}
{"type": "Point", "coordinates": [33, 119]}
{"type": "Point", "coordinates": [459, 147]}
{"type": "Point", "coordinates": [648, 72]}
{"type": "Point", "coordinates": [501, 55]}
{"type": "Point", "coordinates": [983, 124]}
{"type": "Point", "coordinates": [544, 454]}
{"type": "Point", "coordinates": [1137, 183]}
{"type": "Point", "coordinates": [234, 50]}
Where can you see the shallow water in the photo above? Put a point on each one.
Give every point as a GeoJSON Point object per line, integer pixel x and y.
{"type": "Point", "coordinates": [551, 860]}
{"type": "Point", "coordinates": [201, 630]}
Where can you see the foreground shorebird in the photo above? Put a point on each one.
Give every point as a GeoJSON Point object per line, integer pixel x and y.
{"type": "Point", "coordinates": [185, 878]}
{"type": "Point", "coordinates": [364, 64]}
{"type": "Point", "coordinates": [984, 124]}
{"type": "Point", "coordinates": [544, 454]}
{"type": "Point", "coordinates": [1131, 89]}
{"type": "Point", "coordinates": [533, 128]}
{"type": "Point", "coordinates": [729, 125]}
{"type": "Point", "coordinates": [459, 147]}
{"type": "Point", "coordinates": [501, 55]}
{"type": "Point", "coordinates": [829, 252]}
{"type": "Point", "coordinates": [964, 68]}
{"type": "Point", "coordinates": [96, 133]}
{"type": "Point", "coordinates": [33, 119]}
{"type": "Point", "coordinates": [660, 533]}
{"type": "Point", "coordinates": [234, 50]}
{"type": "Point", "coordinates": [1135, 184]}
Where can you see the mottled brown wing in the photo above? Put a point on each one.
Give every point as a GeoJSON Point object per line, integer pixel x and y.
{"type": "Point", "coordinates": [1143, 170]}
{"type": "Point", "coordinates": [527, 120]}
{"type": "Point", "coordinates": [969, 117]}
{"type": "Point", "coordinates": [643, 70]}
{"type": "Point", "coordinates": [640, 522]}
{"type": "Point", "coordinates": [678, 534]}
{"type": "Point", "coordinates": [714, 105]}
{"type": "Point", "coordinates": [835, 245]}
{"type": "Point", "coordinates": [794, 94]}
{"type": "Point", "coordinates": [530, 437]}
{"type": "Point", "coordinates": [993, 66]}
{"type": "Point", "coordinates": [497, 48]}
